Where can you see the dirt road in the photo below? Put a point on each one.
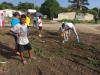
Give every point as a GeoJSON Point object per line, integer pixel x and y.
{"type": "Point", "coordinates": [86, 28]}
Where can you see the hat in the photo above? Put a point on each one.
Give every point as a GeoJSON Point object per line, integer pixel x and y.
{"type": "Point", "coordinates": [16, 14]}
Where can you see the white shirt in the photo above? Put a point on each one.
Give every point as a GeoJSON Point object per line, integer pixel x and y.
{"type": "Point", "coordinates": [69, 25]}
{"type": "Point", "coordinates": [23, 39]}
{"type": "Point", "coordinates": [40, 22]}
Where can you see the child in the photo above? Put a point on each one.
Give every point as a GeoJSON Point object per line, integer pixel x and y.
{"type": "Point", "coordinates": [1, 20]}
{"type": "Point", "coordinates": [65, 28]}
{"type": "Point", "coordinates": [28, 20]}
{"type": "Point", "coordinates": [40, 26]}
{"type": "Point", "coordinates": [15, 21]}
{"type": "Point", "coordinates": [23, 42]}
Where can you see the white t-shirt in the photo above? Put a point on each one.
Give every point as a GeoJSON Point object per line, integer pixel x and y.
{"type": "Point", "coordinates": [23, 39]}
{"type": "Point", "coordinates": [69, 25]}
{"type": "Point", "coordinates": [0, 22]}
{"type": "Point", "coordinates": [40, 22]}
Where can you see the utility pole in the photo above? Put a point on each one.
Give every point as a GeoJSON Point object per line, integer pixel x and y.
{"type": "Point", "coordinates": [35, 3]}
{"type": "Point", "coordinates": [98, 12]}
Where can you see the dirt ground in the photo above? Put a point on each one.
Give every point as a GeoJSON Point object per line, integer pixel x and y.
{"type": "Point", "coordinates": [53, 56]}
{"type": "Point", "coordinates": [85, 28]}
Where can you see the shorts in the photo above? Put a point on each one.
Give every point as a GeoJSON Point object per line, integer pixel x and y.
{"type": "Point", "coordinates": [40, 27]}
{"type": "Point", "coordinates": [22, 48]}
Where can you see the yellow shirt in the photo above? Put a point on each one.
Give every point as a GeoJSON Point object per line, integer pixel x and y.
{"type": "Point", "coordinates": [28, 21]}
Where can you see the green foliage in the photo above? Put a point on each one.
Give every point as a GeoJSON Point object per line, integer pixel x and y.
{"type": "Point", "coordinates": [8, 19]}
{"type": "Point", "coordinates": [24, 6]}
{"type": "Point", "coordinates": [3, 6]}
{"type": "Point", "coordinates": [6, 5]}
{"type": "Point", "coordinates": [79, 5]}
{"type": "Point", "coordinates": [50, 7]}
{"type": "Point", "coordinates": [67, 20]}
{"type": "Point", "coordinates": [93, 21]}
{"type": "Point", "coordinates": [37, 8]}
{"type": "Point", "coordinates": [63, 9]}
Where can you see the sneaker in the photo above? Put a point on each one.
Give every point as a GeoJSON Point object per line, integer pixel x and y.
{"type": "Point", "coordinates": [40, 35]}
{"type": "Point", "coordinates": [66, 39]}
{"type": "Point", "coordinates": [33, 58]}
{"type": "Point", "coordinates": [78, 40]}
{"type": "Point", "coordinates": [63, 41]}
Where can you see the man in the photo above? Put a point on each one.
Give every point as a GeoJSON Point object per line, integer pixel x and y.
{"type": "Point", "coordinates": [68, 26]}
{"type": "Point", "coordinates": [23, 43]}
{"type": "Point", "coordinates": [28, 22]}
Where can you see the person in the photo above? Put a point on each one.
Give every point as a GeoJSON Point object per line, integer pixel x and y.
{"type": "Point", "coordinates": [96, 20]}
{"type": "Point", "coordinates": [23, 43]}
{"type": "Point", "coordinates": [15, 20]}
{"type": "Point", "coordinates": [40, 26]}
{"type": "Point", "coordinates": [28, 22]}
{"type": "Point", "coordinates": [1, 20]}
{"type": "Point", "coordinates": [37, 25]}
{"type": "Point", "coordinates": [68, 26]}
{"type": "Point", "coordinates": [0, 24]}
{"type": "Point", "coordinates": [34, 22]}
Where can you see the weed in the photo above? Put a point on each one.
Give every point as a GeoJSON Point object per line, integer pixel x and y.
{"type": "Point", "coordinates": [80, 45]}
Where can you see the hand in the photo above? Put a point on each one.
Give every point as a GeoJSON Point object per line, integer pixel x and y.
{"type": "Point", "coordinates": [19, 34]}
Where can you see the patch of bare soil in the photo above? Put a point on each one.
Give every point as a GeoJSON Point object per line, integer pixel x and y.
{"type": "Point", "coordinates": [53, 56]}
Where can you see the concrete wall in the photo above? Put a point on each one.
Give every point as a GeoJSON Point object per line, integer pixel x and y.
{"type": "Point", "coordinates": [89, 17]}
{"type": "Point", "coordinates": [71, 16]}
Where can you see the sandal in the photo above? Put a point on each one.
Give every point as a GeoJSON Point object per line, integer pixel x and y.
{"type": "Point", "coordinates": [17, 53]}
{"type": "Point", "coordinates": [24, 62]}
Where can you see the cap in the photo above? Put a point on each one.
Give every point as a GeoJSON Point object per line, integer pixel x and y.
{"type": "Point", "coordinates": [16, 14]}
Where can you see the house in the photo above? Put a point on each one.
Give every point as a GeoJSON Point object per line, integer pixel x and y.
{"type": "Point", "coordinates": [9, 12]}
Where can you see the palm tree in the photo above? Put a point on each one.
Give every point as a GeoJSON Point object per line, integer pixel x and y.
{"type": "Point", "coordinates": [79, 5]}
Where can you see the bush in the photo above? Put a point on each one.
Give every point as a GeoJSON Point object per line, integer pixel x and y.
{"type": "Point", "coordinates": [67, 20]}
{"type": "Point", "coordinates": [93, 21]}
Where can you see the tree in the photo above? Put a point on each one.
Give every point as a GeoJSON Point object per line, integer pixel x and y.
{"type": "Point", "coordinates": [79, 5]}
{"type": "Point", "coordinates": [97, 11]}
{"type": "Point", "coordinates": [24, 6]}
{"type": "Point", "coordinates": [63, 9]}
{"type": "Point", "coordinates": [50, 8]}
{"type": "Point", "coordinates": [37, 8]}
{"type": "Point", "coordinates": [91, 11]}
{"type": "Point", "coordinates": [3, 6]}
{"type": "Point", "coordinates": [8, 4]}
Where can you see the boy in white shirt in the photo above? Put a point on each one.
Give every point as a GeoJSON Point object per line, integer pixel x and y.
{"type": "Point", "coordinates": [40, 26]}
{"type": "Point", "coordinates": [23, 43]}
{"type": "Point", "coordinates": [68, 26]}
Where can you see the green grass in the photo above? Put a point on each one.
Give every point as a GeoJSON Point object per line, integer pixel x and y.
{"type": "Point", "coordinates": [45, 20]}
{"type": "Point", "coordinates": [80, 45]}
{"type": "Point", "coordinates": [67, 20]}
{"type": "Point", "coordinates": [3, 37]}
{"type": "Point", "coordinates": [40, 52]}
{"type": "Point", "coordinates": [93, 21]}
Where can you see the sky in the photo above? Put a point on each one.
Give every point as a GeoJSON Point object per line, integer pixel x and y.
{"type": "Point", "coordinates": [63, 3]}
